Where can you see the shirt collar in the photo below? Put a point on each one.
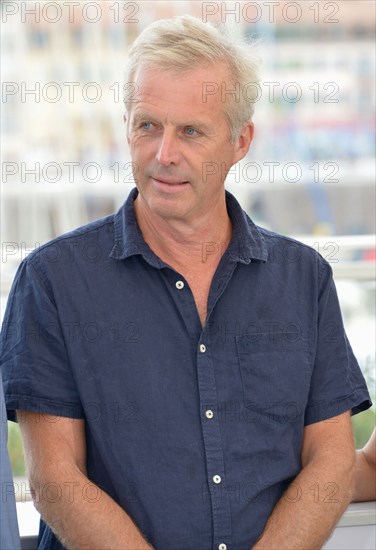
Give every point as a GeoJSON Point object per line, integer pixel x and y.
{"type": "Point", "coordinates": [247, 242]}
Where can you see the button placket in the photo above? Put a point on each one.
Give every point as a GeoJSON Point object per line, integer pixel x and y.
{"type": "Point", "coordinates": [212, 442]}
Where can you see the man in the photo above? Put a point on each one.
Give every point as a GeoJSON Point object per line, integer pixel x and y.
{"type": "Point", "coordinates": [182, 377]}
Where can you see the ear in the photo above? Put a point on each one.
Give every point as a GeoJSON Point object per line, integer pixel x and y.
{"type": "Point", "coordinates": [243, 141]}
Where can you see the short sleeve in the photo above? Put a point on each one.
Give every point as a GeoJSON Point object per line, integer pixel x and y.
{"type": "Point", "coordinates": [337, 383]}
{"type": "Point", "coordinates": [33, 358]}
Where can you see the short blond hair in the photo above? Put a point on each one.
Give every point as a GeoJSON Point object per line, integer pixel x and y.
{"type": "Point", "coordinates": [183, 43]}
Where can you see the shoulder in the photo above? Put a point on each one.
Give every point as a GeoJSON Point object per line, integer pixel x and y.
{"type": "Point", "coordinates": [292, 253]}
{"type": "Point", "coordinates": [275, 239]}
{"type": "Point", "coordinates": [98, 233]}
{"type": "Point", "coordinates": [70, 256]}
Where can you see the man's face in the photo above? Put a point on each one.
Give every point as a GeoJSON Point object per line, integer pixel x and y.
{"type": "Point", "coordinates": [180, 142]}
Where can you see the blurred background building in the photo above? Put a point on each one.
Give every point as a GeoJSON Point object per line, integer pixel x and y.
{"type": "Point", "coordinates": [310, 172]}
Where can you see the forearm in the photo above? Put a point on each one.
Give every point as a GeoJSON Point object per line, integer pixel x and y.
{"type": "Point", "coordinates": [309, 510]}
{"type": "Point", "coordinates": [83, 516]}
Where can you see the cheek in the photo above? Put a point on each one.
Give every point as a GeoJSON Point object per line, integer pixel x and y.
{"type": "Point", "coordinates": [142, 146]}
{"type": "Point", "coordinates": [138, 150]}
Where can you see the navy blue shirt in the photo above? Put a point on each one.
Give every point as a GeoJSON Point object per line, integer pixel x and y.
{"type": "Point", "coordinates": [196, 432]}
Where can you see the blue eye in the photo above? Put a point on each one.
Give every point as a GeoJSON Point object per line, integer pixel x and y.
{"type": "Point", "coordinates": [191, 131]}
{"type": "Point", "coordinates": [146, 125]}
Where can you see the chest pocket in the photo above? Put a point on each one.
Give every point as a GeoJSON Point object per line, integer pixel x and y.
{"type": "Point", "coordinates": [275, 372]}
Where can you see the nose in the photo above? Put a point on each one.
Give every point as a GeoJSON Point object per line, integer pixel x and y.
{"type": "Point", "coordinates": [168, 150]}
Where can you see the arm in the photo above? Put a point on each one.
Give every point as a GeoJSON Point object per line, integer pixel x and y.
{"type": "Point", "coordinates": [365, 476]}
{"type": "Point", "coordinates": [55, 453]}
{"type": "Point", "coordinates": [307, 513]}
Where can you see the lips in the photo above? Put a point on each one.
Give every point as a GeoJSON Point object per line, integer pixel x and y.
{"type": "Point", "coordinates": [169, 181]}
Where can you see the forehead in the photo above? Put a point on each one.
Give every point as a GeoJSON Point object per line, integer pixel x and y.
{"type": "Point", "coordinates": [196, 92]}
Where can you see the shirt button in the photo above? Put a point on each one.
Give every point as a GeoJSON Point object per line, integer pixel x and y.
{"type": "Point", "coordinates": [209, 414]}
{"type": "Point", "coordinates": [179, 285]}
{"type": "Point", "coordinates": [217, 479]}
{"type": "Point", "coordinates": [222, 547]}
{"type": "Point", "coordinates": [202, 348]}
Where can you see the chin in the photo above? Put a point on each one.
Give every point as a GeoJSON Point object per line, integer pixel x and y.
{"type": "Point", "coordinates": [164, 205]}
{"type": "Point", "coordinates": [168, 212]}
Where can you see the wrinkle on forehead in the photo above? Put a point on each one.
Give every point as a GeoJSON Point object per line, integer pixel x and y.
{"type": "Point", "coordinates": [198, 76]}
{"type": "Point", "coordinates": [162, 93]}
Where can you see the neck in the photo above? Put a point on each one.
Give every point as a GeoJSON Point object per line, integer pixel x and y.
{"type": "Point", "coordinates": [194, 246]}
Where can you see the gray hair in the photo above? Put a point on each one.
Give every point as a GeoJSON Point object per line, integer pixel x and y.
{"type": "Point", "coordinates": [182, 43]}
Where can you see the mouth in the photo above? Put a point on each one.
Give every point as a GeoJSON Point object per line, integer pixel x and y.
{"type": "Point", "coordinates": [170, 182]}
